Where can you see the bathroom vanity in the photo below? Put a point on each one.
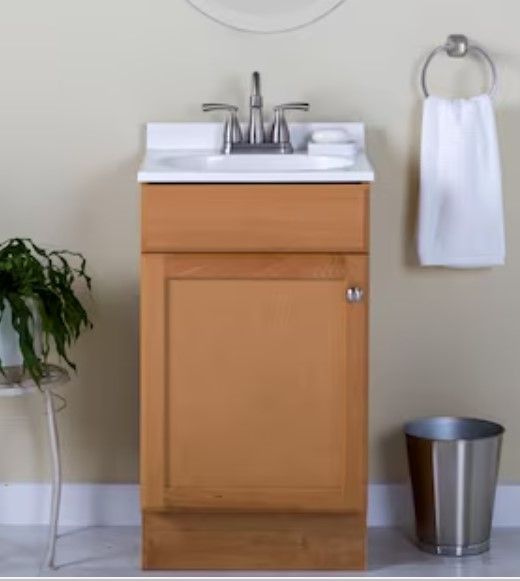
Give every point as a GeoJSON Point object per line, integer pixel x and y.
{"type": "Point", "coordinates": [254, 302]}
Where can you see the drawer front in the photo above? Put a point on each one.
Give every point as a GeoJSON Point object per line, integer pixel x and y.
{"type": "Point", "coordinates": [255, 218]}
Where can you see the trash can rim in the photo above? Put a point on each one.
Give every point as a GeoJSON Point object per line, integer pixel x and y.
{"type": "Point", "coordinates": [452, 428]}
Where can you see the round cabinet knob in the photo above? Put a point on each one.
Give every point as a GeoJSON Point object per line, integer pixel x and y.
{"type": "Point", "coordinates": [355, 294]}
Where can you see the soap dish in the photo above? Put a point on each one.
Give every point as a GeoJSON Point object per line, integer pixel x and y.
{"type": "Point", "coordinates": [344, 149]}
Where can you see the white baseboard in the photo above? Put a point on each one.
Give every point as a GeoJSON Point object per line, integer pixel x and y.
{"type": "Point", "coordinates": [81, 504]}
{"type": "Point", "coordinates": [118, 505]}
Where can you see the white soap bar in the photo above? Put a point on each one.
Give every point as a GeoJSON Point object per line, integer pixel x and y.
{"type": "Point", "coordinates": [330, 136]}
{"type": "Point", "coordinates": [348, 149]}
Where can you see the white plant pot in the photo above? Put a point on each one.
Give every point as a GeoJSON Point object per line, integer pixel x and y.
{"type": "Point", "coordinates": [10, 353]}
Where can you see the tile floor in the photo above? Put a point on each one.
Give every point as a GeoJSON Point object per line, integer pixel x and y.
{"type": "Point", "coordinates": [114, 552]}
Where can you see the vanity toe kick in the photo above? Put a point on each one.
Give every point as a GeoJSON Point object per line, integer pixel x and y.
{"type": "Point", "coordinates": [260, 541]}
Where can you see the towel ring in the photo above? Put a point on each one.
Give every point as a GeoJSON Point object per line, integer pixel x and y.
{"type": "Point", "coordinates": [458, 46]}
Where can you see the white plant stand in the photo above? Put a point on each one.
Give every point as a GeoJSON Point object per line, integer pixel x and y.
{"type": "Point", "coordinates": [11, 386]}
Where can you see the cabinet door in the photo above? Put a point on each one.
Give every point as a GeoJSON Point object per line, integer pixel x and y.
{"type": "Point", "coordinates": [253, 382]}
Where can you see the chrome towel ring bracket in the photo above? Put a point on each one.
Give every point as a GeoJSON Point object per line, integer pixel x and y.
{"type": "Point", "coordinates": [458, 46]}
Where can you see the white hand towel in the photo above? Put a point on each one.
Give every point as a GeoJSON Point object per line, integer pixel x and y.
{"type": "Point", "coordinates": [461, 221]}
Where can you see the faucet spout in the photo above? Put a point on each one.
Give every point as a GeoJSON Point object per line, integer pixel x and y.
{"type": "Point", "coordinates": [256, 90]}
{"type": "Point", "coordinates": [256, 116]}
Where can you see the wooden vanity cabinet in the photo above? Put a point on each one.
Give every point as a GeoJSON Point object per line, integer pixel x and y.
{"type": "Point", "coordinates": [254, 376]}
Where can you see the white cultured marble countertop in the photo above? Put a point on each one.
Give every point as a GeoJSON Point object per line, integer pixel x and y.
{"type": "Point", "coordinates": [167, 141]}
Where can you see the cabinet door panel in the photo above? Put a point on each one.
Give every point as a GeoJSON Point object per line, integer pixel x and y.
{"type": "Point", "coordinates": [263, 395]}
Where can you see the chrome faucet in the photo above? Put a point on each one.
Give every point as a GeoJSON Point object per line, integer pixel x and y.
{"type": "Point", "coordinates": [255, 141]}
{"type": "Point", "coordinates": [256, 114]}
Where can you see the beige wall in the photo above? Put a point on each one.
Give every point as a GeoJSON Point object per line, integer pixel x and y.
{"type": "Point", "coordinates": [78, 80]}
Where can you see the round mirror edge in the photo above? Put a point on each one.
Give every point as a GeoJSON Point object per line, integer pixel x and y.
{"type": "Point", "coordinates": [240, 21]}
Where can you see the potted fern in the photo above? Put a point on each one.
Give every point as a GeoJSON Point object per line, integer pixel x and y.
{"type": "Point", "coordinates": [40, 311]}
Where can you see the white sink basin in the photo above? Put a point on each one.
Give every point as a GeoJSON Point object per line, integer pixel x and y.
{"type": "Point", "coordinates": [255, 163]}
{"type": "Point", "coordinates": [190, 153]}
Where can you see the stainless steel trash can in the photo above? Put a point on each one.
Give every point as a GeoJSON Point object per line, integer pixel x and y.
{"type": "Point", "coordinates": [453, 468]}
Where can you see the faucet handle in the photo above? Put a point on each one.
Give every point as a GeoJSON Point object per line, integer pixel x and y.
{"type": "Point", "coordinates": [297, 106]}
{"type": "Point", "coordinates": [280, 131]}
{"type": "Point", "coordinates": [219, 107]}
{"type": "Point", "coordinates": [232, 129]}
